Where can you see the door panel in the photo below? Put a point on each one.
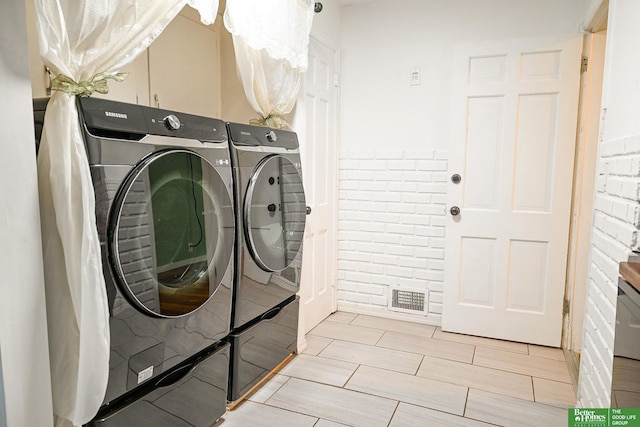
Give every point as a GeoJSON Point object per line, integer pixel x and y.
{"type": "Point", "coordinates": [482, 176]}
{"type": "Point", "coordinates": [513, 138]}
{"type": "Point", "coordinates": [528, 276]}
{"type": "Point", "coordinates": [477, 278]}
{"type": "Point", "coordinates": [535, 152]}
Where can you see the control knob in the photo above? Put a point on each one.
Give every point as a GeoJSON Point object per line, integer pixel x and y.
{"type": "Point", "coordinates": [172, 122]}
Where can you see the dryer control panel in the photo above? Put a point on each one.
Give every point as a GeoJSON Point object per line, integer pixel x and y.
{"type": "Point", "coordinates": [132, 122]}
{"type": "Point", "coordinates": [241, 134]}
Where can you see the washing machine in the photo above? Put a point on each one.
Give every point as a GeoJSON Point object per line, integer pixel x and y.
{"type": "Point", "coordinates": [166, 223]}
{"type": "Point", "coordinates": [271, 215]}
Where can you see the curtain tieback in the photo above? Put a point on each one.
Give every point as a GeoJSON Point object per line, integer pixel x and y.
{"type": "Point", "coordinates": [97, 83]}
{"type": "Point", "coordinates": [274, 121]}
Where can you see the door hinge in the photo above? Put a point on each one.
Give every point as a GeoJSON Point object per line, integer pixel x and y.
{"type": "Point", "coordinates": [584, 64]}
{"type": "Point", "coordinates": [566, 307]}
{"type": "Point", "coordinates": [336, 79]}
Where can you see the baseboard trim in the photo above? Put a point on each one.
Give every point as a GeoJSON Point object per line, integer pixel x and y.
{"type": "Point", "coordinates": [383, 312]}
{"type": "Point", "coordinates": [573, 363]}
{"type": "Point", "coordinates": [233, 405]}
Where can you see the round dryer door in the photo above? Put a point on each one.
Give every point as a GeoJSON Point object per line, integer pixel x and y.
{"type": "Point", "coordinates": [171, 233]}
{"type": "Point", "coordinates": [275, 213]}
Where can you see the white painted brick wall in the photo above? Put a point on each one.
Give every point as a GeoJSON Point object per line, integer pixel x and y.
{"type": "Point", "coordinates": [391, 227]}
{"type": "Point", "coordinates": [615, 234]}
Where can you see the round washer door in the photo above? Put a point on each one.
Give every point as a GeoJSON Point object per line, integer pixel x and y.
{"type": "Point", "coordinates": [171, 233]}
{"type": "Point", "coordinates": [275, 213]}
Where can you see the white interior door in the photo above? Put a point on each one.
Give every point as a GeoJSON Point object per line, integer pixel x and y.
{"type": "Point", "coordinates": [317, 107]}
{"type": "Point", "coordinates": [514, 115]}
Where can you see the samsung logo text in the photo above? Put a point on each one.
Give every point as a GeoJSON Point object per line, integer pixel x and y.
{"type": "Point", "coordinates": [116, 115]}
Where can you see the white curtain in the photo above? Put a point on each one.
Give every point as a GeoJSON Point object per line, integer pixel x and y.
{"type": "Point", "coordinates": [79, 40]}
{"type": "Point", "coordinates": [270, 40]}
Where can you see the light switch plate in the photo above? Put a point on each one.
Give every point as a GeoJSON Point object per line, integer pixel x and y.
{"type": "Point", "coordinates": [415, 77]}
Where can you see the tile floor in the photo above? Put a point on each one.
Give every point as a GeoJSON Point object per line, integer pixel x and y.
{"type": "Point", "coordinates": [367, 371]}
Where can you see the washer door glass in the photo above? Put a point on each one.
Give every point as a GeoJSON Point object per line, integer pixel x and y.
{"type": "Point", "coordinates": [275, 213]}
{"type": "Point", "coordinates": [171, 233]}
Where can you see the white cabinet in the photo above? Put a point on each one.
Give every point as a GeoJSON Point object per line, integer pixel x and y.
{"type": "Point", "coordinates": [180, 70]}
{"type": "Point", "coordinates": [184, 68]}
{"type": "Point", "coordinates": [135, 88]}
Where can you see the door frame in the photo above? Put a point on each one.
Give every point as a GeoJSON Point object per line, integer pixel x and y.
{"type": "Point", "coordinates": [587, 143]}
{"type": "Point", "coordinates": [299, 124]}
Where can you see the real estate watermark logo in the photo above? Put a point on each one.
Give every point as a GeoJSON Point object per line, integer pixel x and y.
{"type": "Point", "coordinates": [603, 417]}
{"type": "Point", "coordinates": [589, 417]}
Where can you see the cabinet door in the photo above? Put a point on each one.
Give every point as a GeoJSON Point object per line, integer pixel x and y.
{"type": "Point", "coordinates": [135, 88]}
{"type": "Point", "coordinates": [184, 68]}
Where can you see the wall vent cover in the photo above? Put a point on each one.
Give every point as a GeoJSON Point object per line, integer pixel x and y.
{"type": "Point", "coordinates": [408, 301]}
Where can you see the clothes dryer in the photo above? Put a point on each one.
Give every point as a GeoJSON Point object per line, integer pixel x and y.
{"type": "Point", "coordinates": [271, 216]}
{"type": "Point", "coordinates": [165, 219]}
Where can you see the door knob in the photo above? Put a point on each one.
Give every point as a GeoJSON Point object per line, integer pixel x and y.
{"type": "Point", "coordinates": [455, 178]}
{"type": "Point", "coordinates": [454, 210]}
{"type": "Point", "coordinates": [308, 210]}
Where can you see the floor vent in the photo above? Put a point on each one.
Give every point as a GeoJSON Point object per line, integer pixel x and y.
{"type": "Point", "coordinates": [408, 301]}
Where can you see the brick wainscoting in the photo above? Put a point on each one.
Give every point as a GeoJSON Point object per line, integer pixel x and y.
{"type": "Point", "coordinates": [391, 228]}
{"type": "Point", "coordinates": [615, 234]}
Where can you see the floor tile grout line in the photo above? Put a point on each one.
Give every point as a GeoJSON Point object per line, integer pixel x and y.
{"type": "Point", "coordinates": [354, 318]}
{"type": "Point", "coordinates": [344, 386]}
{"type": "Point", "coordinates": [466, 400]}
{"type": "Point", "coordinates": [532, 356]}
{"type": "Point", "coordinates": [289, 410]}
{"type": "Point", "coordinates": [548, 405]}
{"type": "Point", "coordinates": [520, 373]}
{"type": "Point", "coordinates": [401, 373]}
{"type": "Point", "coordinates": [393, 414]}
{"type": "Point", "coordinates": [328, 385]}
{"type": "Point", "coordinates": [323, 349]}
{"type": "Point", "coordinates": [419, 366]}
{"type": "Point", "coordinates": [485, 346]}
{"type": "Point", "coordinates": [533, 389]}
{"type": "Point", "coordinates": [562, 404]}
{"type": "Point", "coordinates": [363, 393]}
{"type": "Point", "coordinates": [537, 376]}
{"type": "Point", "coordinates": [378, 341]}
{"type": "Point", "coordinates": [380, 348]}
{"type": "Point", "coordinates": [272, 394]}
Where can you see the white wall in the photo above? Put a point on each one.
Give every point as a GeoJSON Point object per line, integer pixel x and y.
{"type": "Point", "coordinates": [23, 330]}
{"type": "Point", "coordinates": [386, 122]}
{"type": "Point", "coordinates": [382, 41]}
{"type": "Point", "coordinates": [617, 209]}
